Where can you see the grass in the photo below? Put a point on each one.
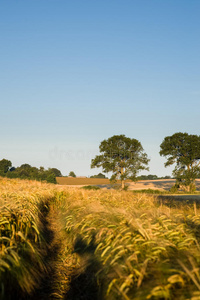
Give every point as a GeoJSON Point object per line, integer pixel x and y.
{"type": "Point", "coordinates": [151, 191]}
{"type": "Point", "coordinates": [62, 243]}
{"type": "Point", "coordinates": [91, 187]}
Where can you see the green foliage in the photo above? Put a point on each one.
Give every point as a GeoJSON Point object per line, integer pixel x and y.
{"type": "Point", "coordinates": [72, 174]}
{"type": "Point", "coordinates": [147, 177]}
{"type": "Point", "coordinates": [56, 172]}
{"type": "Point", "coordinates": [126, 186]}
{"type": "Point", "coordinates": [174, 188]}
{"type": "Point", "coordinates": [150, 191]}
{"type": "Point", "coordinates": [100, 175]}
{"type": "Point", "coordinates": [26, 171]}
{"type": "Point", "coordinates": [152, 177]}
{"type": "Point", "coordinates": [91, 187]}
{"type": "Point", "coordinates": [12, 169]}
{"type": "Point", "coordinates": [122, 156]}
{"type": "Point", "coordinates": [183, 150]}
{"type": "Point", "coordinates": [51, 178]}
{"type": "Point", "coordinates": [25, 166]}
{"type": "Point", "coordinates": [4, 166]}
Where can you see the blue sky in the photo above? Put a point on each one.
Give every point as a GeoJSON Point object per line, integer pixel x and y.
{"type": "Point", "coordinates": [73, 73]}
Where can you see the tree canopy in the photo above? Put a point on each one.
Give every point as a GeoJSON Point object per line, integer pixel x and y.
{"type": "Point", "coordinates": [100, 175]}
{"type": "Point", "coordinates": [55, 171]}
{"type": "Point", "coordinates": [72, 174]}
{"type": "Point", "coordinates": [122, 156]}
{"type": "Point", "coordinates": [183, 150]}
{"type": "Point", "coordinates": [5, 164]}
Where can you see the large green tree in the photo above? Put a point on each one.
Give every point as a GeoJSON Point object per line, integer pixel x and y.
{"type": "Point", "coordinates": [183, 150]}
{"type": "Point", "coordinates": [122, 156]}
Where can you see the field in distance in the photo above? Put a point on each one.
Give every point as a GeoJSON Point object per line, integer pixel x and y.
{"type": "Point", "coordinates": [160, 184]}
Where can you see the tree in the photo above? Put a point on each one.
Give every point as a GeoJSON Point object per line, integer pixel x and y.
{"type": "Point", "coordinates": [4, 166]}
{"type": "Point", "coordinates": [56, 172]}
{"type": "Point", "coordinates": [166, 177]}
{"type": "Point", "coordinates": [183, 149]}
{"type": "Point", "coordinates": [72, 174]}
{"type": "Point", "coordinates": [25, 166]}
{"type": "Point", "coordinates": [148, 177]}
{"type": "Point", "coordinates": [122, 156]}
{"type": "Point", "coordinates": [51, 178]}
{"type": "Point", "coordinates": [100, 175]}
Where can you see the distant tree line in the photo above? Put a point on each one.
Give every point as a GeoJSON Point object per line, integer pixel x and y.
{"type": "Point", "coordinates": [152, 177]}
{"type": "Point", "coordinates": [100, 175]}
{"type": "Point", "coordinates": [26, 171]}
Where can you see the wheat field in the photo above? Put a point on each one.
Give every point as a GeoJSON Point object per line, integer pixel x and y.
{"type": "Point", "coordinates": [62, 243]}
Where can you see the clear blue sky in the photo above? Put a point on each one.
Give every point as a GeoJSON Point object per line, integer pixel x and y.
{"type": "Point", "coordinates": [73, 73]}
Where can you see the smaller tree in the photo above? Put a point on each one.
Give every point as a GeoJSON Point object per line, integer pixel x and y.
{"type": "Point", "coordinates": [4, 166]}
{"type": "Point", "coordinates": [183, 150]}
{"type": "Point", "coordinates": [72, 174]}
{"type": "Point", "coordinates": [148, 177]}
{"type": "Point", "coordinates": [100, 175]}
{"type": "Point", "coordinates": [122, 156]}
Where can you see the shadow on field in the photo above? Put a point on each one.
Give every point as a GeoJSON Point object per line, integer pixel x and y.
{"type": "Point", "coordinates": [85, 283]}
{"type": "Point", "coordinates": [167, 185]}
{"type": "Point", "coordinates": [195, 229]}
{"type": "Point", "coordinates": [184, 199]}
{"type": "Point", "coordinates": [109, 186]}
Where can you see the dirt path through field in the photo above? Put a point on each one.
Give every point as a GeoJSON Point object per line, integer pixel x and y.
{"type": "Point", "coordinates": [52, 285]}
{"type": "Point", "coordinates": [51, 251]}
{"type": "Point", "coordinates": [67, 276]}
